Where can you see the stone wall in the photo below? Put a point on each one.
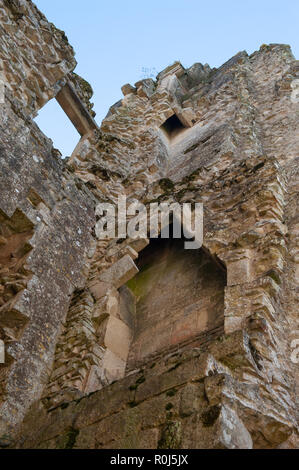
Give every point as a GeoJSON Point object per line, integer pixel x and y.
{"type": "Point", "coordinates": [35, 55]}
{"type": "Point", "coordinates": [179, 299]}
{"type": "Point", "coordinates": [222, 157]}
{"type": "Point", "coordinates": [193, 400]}
{"type": "Point", "coordinates": [224, 137]}
{"type": "Point", "coordinates": [46, 214]}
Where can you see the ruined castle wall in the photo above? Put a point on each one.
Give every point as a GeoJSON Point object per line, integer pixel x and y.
{"type": "Point", "coordinates": [35, 55]}
{"type": "Point", "coordinates": [46, 215]}
{"type": "Point", "coordinates": [220, 157]}
{"type": "Point", "coordinates": [185, 400]}
{"type": "Point", "coordinates": [64, 315]}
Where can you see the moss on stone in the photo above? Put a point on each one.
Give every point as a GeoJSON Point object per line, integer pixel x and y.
{"type": "Point", "coordinates": [171, 436]}
{"type": "Point", "coordinates": [64, 406]}
{"type": "Point", "coordinates": [141, 380]}
{"type": "Point", "coordinates": [169, 406]}
{"type": "Point", "coordinates": [138, 284]}
{"type": "Point", "coordinates": [138, 382]}
{"type": "Point", "coordinates": [68, 440]}
{"type": "Point", "coordinates": [132, 404]}
{"type": "Point", "coordinates": [84, 85]}
{"type": "Point", "coordinates": [210, 416]}
{"type": "Point", "coordinates": [166, 184]}
{"type": "Point", "coordinates": [172, 392]}
{"type": "Point", "coordinates": [274, 275]}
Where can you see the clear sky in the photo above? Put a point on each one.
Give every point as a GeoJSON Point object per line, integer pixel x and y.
{"type": "Point", "coordinates": [118, 42]}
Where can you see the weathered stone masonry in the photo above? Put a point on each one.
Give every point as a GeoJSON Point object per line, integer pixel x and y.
{"type": "Point", "coordinates": [126, 343]}
{"type": "Point", "coordinates": [41, 198]}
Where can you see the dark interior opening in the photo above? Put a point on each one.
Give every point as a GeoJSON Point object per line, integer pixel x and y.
{"type": "Point", "coordinates": [178, 299]}
{"type": "Point", "coordinates": [172, 127]}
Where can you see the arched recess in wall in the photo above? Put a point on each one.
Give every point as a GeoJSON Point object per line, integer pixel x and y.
{"type": "Point", "coordinates": [175, 301]}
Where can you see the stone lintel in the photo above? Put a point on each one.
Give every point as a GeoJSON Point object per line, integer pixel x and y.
{"type": "Point", "coordinates": [75, 109]}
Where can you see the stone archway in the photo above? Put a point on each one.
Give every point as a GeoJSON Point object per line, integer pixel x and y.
{"type": "Point", "coordinates": [176, 300]}
{"type": "Point", "coordinates": [113, 336]}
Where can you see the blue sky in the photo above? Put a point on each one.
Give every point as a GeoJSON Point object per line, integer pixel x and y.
{"type": "Point", "coordinates": [118, 42]}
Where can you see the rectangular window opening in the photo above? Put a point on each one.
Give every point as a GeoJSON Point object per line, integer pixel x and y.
{"type": "Point", "coordinates": [172, 127]}
{"type": "Point", "coordinates": [56, 125]}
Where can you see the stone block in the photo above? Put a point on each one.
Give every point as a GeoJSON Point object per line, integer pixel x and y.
{"type": "Point", "coordinates": [112, 304]}
{"type": "Point", "coordinates": [128, 89]}
{"type": "Point", "coordinates": [239, 269]}
{"type": "Point", "coordinates": [75, 109]}
{"type": "Point", "coordinates": [120, 272]}
{"type": "Point", "coordinates": [148, 439]}
{"type": "Point", "coordinates": [178, 374]}
{"type": "Point", "coordinates": [94, 407]}
{"type": "Point", "coordinates": [139, 244]}
{"type": "Point", "coordinates": [192, 397]}
{"type": "Point", "coordinates": [131, 252]}
{"type": "Point", "coordinates": [113, 366]}
{"type": "Point", "coordinates": [214, 387]}
{"type": "Point", "coordinates": [94, 380]}
{"type": "Point", "coordinates": [127, 306]}
{"type": "Point", "coordinates": [118, 337]}
{"type": "Point", "coordinates": [187, 116]}
{"type": "Point", "coordinates": [99, 289]}
{"type": "Point", "coordinates": [232, 434]}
